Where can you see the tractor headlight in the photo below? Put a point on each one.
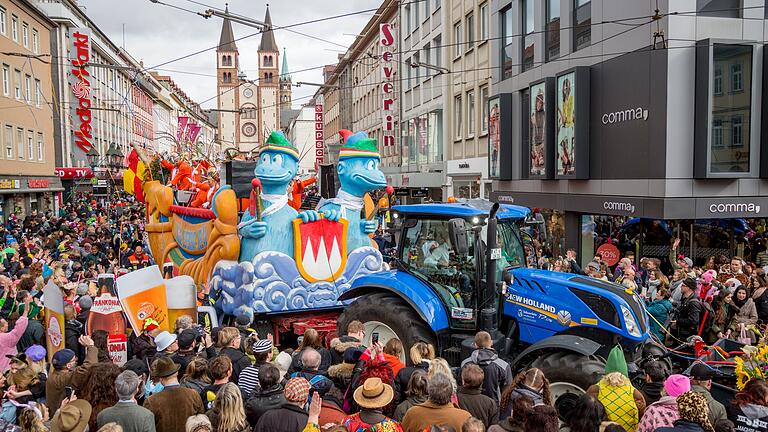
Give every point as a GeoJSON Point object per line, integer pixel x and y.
{"type": "Point", "coordinates": [630, 322]}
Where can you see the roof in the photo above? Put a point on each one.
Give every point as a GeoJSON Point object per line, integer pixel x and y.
{"type": "Point", "coordinates": [268, 37]}
{"type": "Point", "coordinates": [466, 209]}
{"type": "Point", "coordinates": [285, 75]}
{"type": "Point", "coordinates": [227, 39]}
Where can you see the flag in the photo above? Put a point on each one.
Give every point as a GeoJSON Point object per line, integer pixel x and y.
{"type": "Point", "coordinates": [181, 131]}
{"type": "Point", "coordinates": [133, 175]}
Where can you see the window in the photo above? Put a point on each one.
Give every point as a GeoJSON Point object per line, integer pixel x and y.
{"type": "Point", "coordinates": [17, 83]}
{"type": "Point", "coordinates": [227, 77]}
{"type": "Point", "coordinates": [582, 31]}
{"type": "Point", "coordinates": [717, 133]}
{"type": "Point", "coordinates": [6, 80]}
{"type": "Point", "coordinates": [528, 36]}
{"type": "Point", "coordinates": [507, 39]}
{"type": "Point", "coordinates": [717, 81]}
{"type": "Point", "coordinates": [736, 84]}
{"type": "Point", "coordinates": [483, 109]}
{"type": "Point", "coordinates": [427, 11]}
{"type": "Point", "coordinates": [471, 113]}
{"type": "Point", "coordinates": [9, 142]}
{"type": "Point", "coordinates": [416, 20]}
{"type": "Point", "coordinates": [484, 29]}
{"type": "Point", "coordinates": [457, 116]}
{"type": "Point", "coordinates": [40, 147]}
{"type": "Point", "coordinates": [737, 131]}
{"type": "Point", "coordinates": [28, 88]}
{"type": "Point", "coordinates": [470, 31]}
{"type": "Point", "coordinates": [38, 92]}
{"type": "Point", "coordinates": [20, 143]}
{"type": "Point", "coordinates": [3, 29]}
{"type": "Point", "coordinates": [25, 34]}
{"type": "Point", "coordinates": [457, 39]}
{"type": "Point", "coordinates": [408, 75]}
{"type": "Point", "coordinates": [30, 145]}
{"type": "Point", "coordinates": [437, 44]}
{"type": "Point", "coordinates": [407, 21]}
{"type": "Point", "coordinates": [425, 54]}
{"type": "Point", "coordinates": [35, 41]}
{"type": "Point", "coordinates": [552, 33]}
{"type": "Point", "coordinates": [719, 8]}
{"type": "Point", "coordinates": [15, 28]}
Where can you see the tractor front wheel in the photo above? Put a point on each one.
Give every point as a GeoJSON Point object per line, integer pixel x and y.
{"type": "Point", "coordinates": [570, 375]}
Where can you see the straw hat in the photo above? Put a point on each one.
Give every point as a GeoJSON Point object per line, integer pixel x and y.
{"type": "Point", "coordinates": [73, 417]}
{"type": "Point", "coordinates": [373, 394]}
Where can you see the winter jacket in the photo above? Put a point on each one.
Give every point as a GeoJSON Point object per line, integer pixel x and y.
{"type": "Point", "coordinates": [506, 425]}
{"type": "Point", "coordinates": [240, 361]}
{"type": "Point", "coordinates": [662, 413]}
{"type": "Point", "coordinates": [341, 375]}
{"type": "Point", "coordinates": [262, 401]}
{"type": "Point", "coordinates": [682, 426]}
{"type": "Point", "coordinates": [652, 391]}
{"type": "Point", "coordinates": [143, 347]}
{"type": "Point", "coordinates": [747, 314]}
{"type": "Point", "coordinates": [325, 361]}
{"type": "Point", "coordinates": [760, 298]}
{"type": "Point", "coordinates": [716, 409]}
{"type": "Point", "coordinates": [479, 405]}
{"type": "Point", "coordinates": [521, 390]}
{"type": "Point", "coordinates": [75, 378]}
{"type": "Point", "coordinates": [195, 385]}
{"type": "Point", "coordinates": [689, 315]}
{"type": "Point", "coordinates": [331, 412]}
{"type": "Point", "coordinates": [33, 335]}
{"type": "Point", "coordinates": [394, 363]}
{"type": "Point", "coordinates": [659, 311]}
{"type": "Point", "coordinates": [9, 340]}
{"type": "Point", "coordinates": [73, 329]}
{"type": "Point", "coordinates": [341, 344]}
{"type": "Point", "coordinates": [749, 417]}
{"type": "Point", "coordinates": [287, 418]}
{"type": "Point", "coordinates": [320, 383]}
{"type": "Point", "coordinates": [172, 407]}
{"type": "Point", "coordinates": [497, 372]}
{"type": "Point", "coordinates": [404, 376]}
{"type": "Point", "coordinates": [406, 405]}
{"type": "Point", "coordinates": [424, 415]}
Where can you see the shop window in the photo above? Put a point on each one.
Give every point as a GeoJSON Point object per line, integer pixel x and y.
{"type": "Point", "coordinates": [582, 31]}
{"type": "Point", "coordinates": [466, 188]}
{"type": "Point", "coordinates": [719, 8]}
{"type": "Point", "coordinates": [731, 111]}
{"type": "Point", "coordinates": [552, 32]}
{"type": "Point", "coordinates": [528, 35]}
{"type": "Point", "coordinates": [507, 40]}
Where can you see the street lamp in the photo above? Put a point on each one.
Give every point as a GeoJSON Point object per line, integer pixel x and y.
{"type": "Point", "coordinates": [93, 157]}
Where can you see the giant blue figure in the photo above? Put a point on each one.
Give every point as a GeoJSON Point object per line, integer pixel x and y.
{"type": "Point", "coordinates": [277, 166]}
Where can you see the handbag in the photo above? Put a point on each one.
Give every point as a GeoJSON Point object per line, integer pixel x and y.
{"type": "Point", "coordinates": [743, 336]}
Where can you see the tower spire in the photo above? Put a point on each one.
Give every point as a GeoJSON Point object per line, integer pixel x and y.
{"type": "Point", "coordinates": [268, 43]}
{"type": "Point", "coordinates": [227, 39]}
{"type": "Point", "coordinates": [285, 75]}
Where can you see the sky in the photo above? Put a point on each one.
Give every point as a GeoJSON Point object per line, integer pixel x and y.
{"type": "Point", "coordinates": [156, 33]}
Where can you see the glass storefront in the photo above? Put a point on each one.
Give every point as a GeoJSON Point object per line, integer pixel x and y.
{"type": "Point", "coordinates": [466, 188]}
{"type": "Point", "coordinates": [731, 108]}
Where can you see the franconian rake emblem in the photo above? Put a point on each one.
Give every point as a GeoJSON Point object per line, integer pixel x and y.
{"type": "Point", "coordinates": [320, 249]}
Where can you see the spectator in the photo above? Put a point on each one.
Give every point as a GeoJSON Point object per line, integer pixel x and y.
{"type": "Point", "coordinates": [522, 407]}
{"type": "Point", "coordinates": [417, 394]}
{"type": "Point", "coordinates": [472, 400]}
{"type": "Point", "coordinates": [660, 308]}
{"type": "Point", "coordinates": [73, 329]}
{"type": "Point", "coordinates": [227, 414]}
{"type": "Point", "coordinates": [196, 375]}
{"type": "Point", "coordinates": [198, 423]}
{"type": "Point", "coordinates": [531, 383]}
{"type": "Point", "coordinates": [66, 373]}
{"type": "Point", "coordinates": [655, 374]}
{"type": "Point", "coordinates": [143, 346]}
{"type": "Point", "coordinates": [30, 420]}
{"type": "Point", "coordinates": [166, 344]}
{"type": "Point", "coordinates": [663, 413]}
{"type": "Point", "coordinates": [372, 397]}
{"type": "Point", "coordinates": [543, 418]}
{"type": "Point", "coordinates": [473, 425]}
{"type": "Point", "coordinates": [72, 417]}
{"type": "Point", "coordinates": [99, 389]}
{"type": "Point", "coordinates": [220, 369]}
{"type": "Point", "coordinates": [187, 349]}
{"type": "Point", "coordinates": [438, 409]}
{"type": "Point", "coordinates": [497, 372]}
{"type": "Point", "coordinates": [34, 334]}
{"type": "Point", "coordinates": [623, 403]}
{"type": "Point", "coordinates": [393, 350]}
{"type": "Point", "coordinates": [331, 412]}
{"type": "Point", "coordinates": [689, 312]}
{"type": "Point", "coordinates": [341, 374]}
{"type": "Point", "coordinates": [183, 322]}
{"type": "Point", "coordinates": [749, 411]}
{"type": "Point", "coordinates": [744, 311]}
{"type": "Point", "coordinates": [311, 361]}
{"type": "Point", "coordinates": [311, 340]}
{"type": "Point", "coordinates": [374, 367]}
{"type": "Point", "coordinates": [268, 396]}
{"type": "Point", "coordinates": [290, 416]}
{"type": "Point", "coordinates": [174, 404]}
{"type": "Point", "coordinates": [701, 382]}
{"type": "Point", "coordinates": [126, 412]}
{"type": "Point", "coordinates": [9, 339]}
{"type": "Point", "coordinates": [587, 415]}
{"type": "Point", "coordinates": [694, 414]}
{"type": "Point", "coordinates": [229, 340]}
{"type": "Point", "coordinates": [724, 426]}
{"type": "Point", "coordinates": [421, 355]}
{"type": "Point", "coordinates": [353, 339]}
{"type": "Point", "coordinates": [249, 377]}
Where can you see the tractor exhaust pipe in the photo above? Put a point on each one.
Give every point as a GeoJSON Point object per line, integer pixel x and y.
{"type": "Point", "coordinates": [487, 305]}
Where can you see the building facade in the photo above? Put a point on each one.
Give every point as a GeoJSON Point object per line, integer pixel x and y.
{"type": "Point", "coordinates": [27, 156]}
{"type": "Point", "coordinates": [249, 110]}
{"type": "Point", "coordinates": [625, 141]}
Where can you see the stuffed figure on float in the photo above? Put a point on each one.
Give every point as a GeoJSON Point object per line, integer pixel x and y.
{"type": "Point", "coordinates": [293, 261]}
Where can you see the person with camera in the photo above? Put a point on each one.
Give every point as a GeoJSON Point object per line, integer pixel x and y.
{"type": "Point", "coordinates": [193, 342]}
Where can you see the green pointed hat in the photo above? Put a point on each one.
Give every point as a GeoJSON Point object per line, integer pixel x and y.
{"type": "Point", "coordinates": [277, 142]}
{"type": "Point", "coordinates": [616, 362]}
{"type": "Point", "coordinates": [359, 145]}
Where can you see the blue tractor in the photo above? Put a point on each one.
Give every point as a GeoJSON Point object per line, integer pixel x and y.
{"type": "Point", "coordinates": [470, 266]}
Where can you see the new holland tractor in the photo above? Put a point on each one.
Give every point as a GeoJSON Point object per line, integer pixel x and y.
{"type": "Point", "coordinates": [465, 267]}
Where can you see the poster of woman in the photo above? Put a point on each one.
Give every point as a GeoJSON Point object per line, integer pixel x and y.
{"type": "Point", "coordinates": [566, 120]}
{"type": "Point", "coordinates": [494, 137]}
{"type": "Point", "coordinates": [538, 166]}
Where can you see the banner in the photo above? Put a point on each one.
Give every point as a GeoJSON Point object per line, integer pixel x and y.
{"type": "Point", "coordinates": [142, 295]}
{"type": "Point", "coordinates": [79, 80]}
{"type": "Point", "coordinates": [193, 130]}
{"type": "Point", "coordinates": [53, 300]}
{"type": "Point", "coordinates": [106, 314]}
{"type": "Point", "coordinates": [117, 345]}
{"type": "Point", "coordinates": [180, 132]}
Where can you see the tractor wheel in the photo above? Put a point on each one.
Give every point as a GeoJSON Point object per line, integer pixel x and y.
{"type": "Point", "coordinates": [390, 317]}
{"type": "Point", "coordinates": [570, 375]}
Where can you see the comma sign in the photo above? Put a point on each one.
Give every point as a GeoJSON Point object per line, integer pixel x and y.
{"type": "Point", "coordinates": [388, 71]}
{"type": "Point", "coordinates": [80, 56]}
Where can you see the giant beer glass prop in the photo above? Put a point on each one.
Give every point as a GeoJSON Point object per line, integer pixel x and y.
{"type": "Point", "coordinates": [182, 298]}
{"type": "Point", "coordinates": [142, 294]}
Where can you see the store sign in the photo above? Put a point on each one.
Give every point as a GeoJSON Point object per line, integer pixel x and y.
{"type": "Point", "coordinates": [401, 192]}
{"type": "Point", "coordinates": [73, 173]}
{"type": "Point", "coordinates": [388, 72]}
{"type": "Point", "coordinates": [38, 183]}
{"type": "Point", "coordinates": [80, 86]}
{"type": "Point", "coordinates": [730, 208]}
{"type": "Point", "coordinates": [463, 165]}
{"type": "Point", "coordinates": [10, 184]}
{"type": "Point", "coordinates": [620, 116]}
{"type": "Point", "coordinates": [420, 193]}
{"type": "Point", "coordinates": [619, 206]}
{"type": "Point", "coordinates": [319, 136]}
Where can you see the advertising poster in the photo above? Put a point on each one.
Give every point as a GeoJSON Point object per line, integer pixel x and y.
{"type": "Point", "coordinates": [537, 151]}
{"type": "Point", "coordinates": [566, 121]}
{"type": "Point", "coordinates": [142, 295]}
{"type": "Point", "coordinates": [53, 300]}
{"type": "Point", "coordinates": [494, 137]}
{"type": "Point", "coordinates": [106, 314]}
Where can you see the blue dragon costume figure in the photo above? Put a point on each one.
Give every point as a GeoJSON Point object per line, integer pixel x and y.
{"type": "Point", "coordinates": [268, 277]}
{"type": "Point", "coordinates": [277, 166]}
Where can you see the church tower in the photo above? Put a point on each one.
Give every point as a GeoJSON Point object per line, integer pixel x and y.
{"type": "Point", "coordinates": [227, 65]}
{"type": "Point", "coordinates": [269, 80]}
{"type": "Point", "coordinates": [285, 84]}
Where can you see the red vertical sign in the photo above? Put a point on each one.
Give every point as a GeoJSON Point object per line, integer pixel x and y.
{"type": "Point", "coordinates": [319, 138]}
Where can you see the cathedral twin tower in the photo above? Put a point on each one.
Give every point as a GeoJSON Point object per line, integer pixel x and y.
{"type": "Point", "coordinates": [249, 109]}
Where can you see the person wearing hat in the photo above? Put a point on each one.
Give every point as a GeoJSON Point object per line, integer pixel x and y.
{"type": "Point", "coordinates": [66, 373]}
{"type": "Point", "coordinates": [689, 312]}
{"type": "Point", "coordinates": [341, 374]}
{"type": "Point", "coordinates": [72, 417]}
{"type": "Point", "coordinates": [372, 397]}
{"type": "Point", "coordinates": [187, 343]}
{"type": "Point", "coordinates": [694, 412]}
{"type": "Point", "coordinates": [438, 408]}
{"type": "Point", "coordinates": [623, 403]}
{"type": "Point", "coordinates": [249, 377]}
{"type": "Point", "coordinates": [663, 412]}
{"type": "Point", "coordinates": [701, 382]}
{"type": "Point", "coordinates": [73, 329]}
{"type": "Point", "coordinates": [166, 344]}
{"type": "Point", "coordinates": [291, 415]}
{"type": "Point", "coordinates": [174, 404]}
{"type": "Point", "coordinates": [85, 302]}
{"type": "Point", "coordinates": [143, 346]}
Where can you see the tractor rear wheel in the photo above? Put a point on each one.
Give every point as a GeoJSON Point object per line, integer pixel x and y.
{"type": "Point", "coordinates": [570, 375]}
{"type": "Point", "coordinates": [389, 316]}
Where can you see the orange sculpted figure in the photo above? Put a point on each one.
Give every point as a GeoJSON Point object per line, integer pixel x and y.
{"type": "Point", "coordinates": [297, 190]}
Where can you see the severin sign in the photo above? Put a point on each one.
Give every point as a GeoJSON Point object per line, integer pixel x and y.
{"type": "Point", "coordinates": [80, 84]}
{"type": "Point", "coordinates": [388, 71]}
{"type": "Point", "coordinates": [319, 131]}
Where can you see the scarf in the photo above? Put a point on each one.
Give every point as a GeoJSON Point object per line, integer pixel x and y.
{"type": "Point", "coordinates": [345, 200]}
{"type": "Point", "coordinates": [278, 202]}
{"type": "Point", "coordinates": [736, 301]}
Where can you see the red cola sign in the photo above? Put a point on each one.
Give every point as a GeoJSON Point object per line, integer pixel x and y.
{"type": "Point", "coordinates": [80, 85]}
